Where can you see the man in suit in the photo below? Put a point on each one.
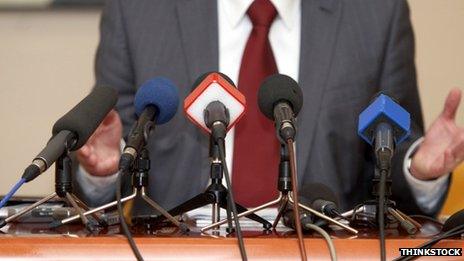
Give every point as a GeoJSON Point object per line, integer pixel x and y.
{"type": "Point", "coordinates": [342, 52]}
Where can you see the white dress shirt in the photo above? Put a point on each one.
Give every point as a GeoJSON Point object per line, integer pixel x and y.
{"type": "Point", "coordinates": [284, 36]}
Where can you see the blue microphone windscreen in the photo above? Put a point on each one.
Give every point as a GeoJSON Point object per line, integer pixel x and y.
{"type": "Point", "coordinates": [161, 93]}
{"type": "Point", "coordinates": [384, 109]}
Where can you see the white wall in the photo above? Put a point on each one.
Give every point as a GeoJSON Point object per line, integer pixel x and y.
{"type": "Point", "coordinates": [46, 67]}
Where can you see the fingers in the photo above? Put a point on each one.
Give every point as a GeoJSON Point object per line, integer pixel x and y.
{"type": "Point", "coordinates": [452, 104]}
{"type": "Point", "coordinates": [110, 117]}
{"type": "Point", "coordinates": [454, 154]}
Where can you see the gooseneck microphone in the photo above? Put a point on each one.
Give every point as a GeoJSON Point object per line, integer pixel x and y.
{"type": "Point", "coordinates": [73, 130]}
{"type": "Point", "coordinates": [155, 102]}
{"type": "Point", "coordinates": [280, 99]}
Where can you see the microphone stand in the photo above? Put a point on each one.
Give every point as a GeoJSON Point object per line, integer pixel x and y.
{"type": "Point", "coordinates": [63, 190]}
{"type": "Point", "coordinates": [382, 209]}
{"type": "Point", "coordinates": [216, 194]}
{"type": "Point", "coordinates": [139, 184]}
{"type": "Point", "coordinates": [370, 209]}
{"type": "Point", "coordinates": [284, 186]}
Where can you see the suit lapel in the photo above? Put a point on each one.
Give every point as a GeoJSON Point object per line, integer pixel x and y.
{"type": "Point", "coordinates": [319, 23]}
{"type": "Point", "coordinates": [198, 24]}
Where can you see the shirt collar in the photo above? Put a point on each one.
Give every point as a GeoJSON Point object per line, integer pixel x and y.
{"type": "Point", "coordinates": [235, 10]}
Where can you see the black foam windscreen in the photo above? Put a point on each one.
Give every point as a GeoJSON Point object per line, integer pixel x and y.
{"type": "Point", "coordinates": [313, 191]}
{"type": "Point", "coordinates": [203, 76]}
{"type": "Point", "coordinates": [85, 117]}
{"type": "Point", "coordinates": [279, 88]}
{"type": "Point", "coordinates": [457, 219]}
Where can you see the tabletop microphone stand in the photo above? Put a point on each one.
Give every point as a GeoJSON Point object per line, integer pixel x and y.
{"type": "Point", "coordinates": [63, 190]}
{"type": "Point", "coordinates": [284, 186]}
{"type": "Point", "coordinates": [139, 184]}
{"type": "Point", "coordinates": [368, 215]}
{"type": "Point", "coordinates": [216, 194]}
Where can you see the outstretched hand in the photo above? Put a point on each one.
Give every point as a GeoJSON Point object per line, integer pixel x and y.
{"type": "Point", "coordinates": [443, 147]}
{"type": "Point", "coordinates": [100, 154]}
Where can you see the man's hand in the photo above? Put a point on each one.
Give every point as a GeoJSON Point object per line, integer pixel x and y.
{"type": "Point", "coordinates": [443, 147]}
{"type": "Point", "coordinates": [100, 155]}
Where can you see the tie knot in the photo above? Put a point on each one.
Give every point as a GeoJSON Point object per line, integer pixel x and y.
{"type": "Point", "coordinates": [262, 13]}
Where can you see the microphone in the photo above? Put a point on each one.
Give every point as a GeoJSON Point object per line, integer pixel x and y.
{"type": "Point", "coordinates": [454, 221]}
{"type": "Point", "coordinates": [280, 99]}
{"type": "Point", "coordinates": [384, 124]}
{"type": "Point", "coordinates": [321, 198]}
{"type": "Point", "coordinates": [288, 219]}
{"type": "Point", "coordinates": [215, 105]}
{"type": "Point", "coordinates": [155, 102]}
{"type": "Point", "coordinates": [73, 130]}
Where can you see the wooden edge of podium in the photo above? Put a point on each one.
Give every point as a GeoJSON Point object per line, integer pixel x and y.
{"type": "Point", "coordinates": [160, 248]}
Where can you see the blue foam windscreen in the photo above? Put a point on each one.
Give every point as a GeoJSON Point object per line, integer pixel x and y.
{"type": "Point", "coordinates": [384, 109]}
{"type": "Point", "coordinates": [161, 93]}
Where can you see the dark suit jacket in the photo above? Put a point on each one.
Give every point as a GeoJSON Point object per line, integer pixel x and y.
{"type": "Point", "coordinates": [350, 50]}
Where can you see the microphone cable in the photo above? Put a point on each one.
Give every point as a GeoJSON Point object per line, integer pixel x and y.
{"type": "Point", "coordinates": [231, 201]}
{"type": "Point", "coordinates": [327, 238]}
{"type": "Point", "coordinates": [299, 230]}
{"type": "Point", "coordinates": [381, 217]}
{"type": "Point", "coordinates": [12, 192]}
{"type": "Point", "coordinates": [124, 226]}
{"type": "Point", "coordinates": [428, 244]}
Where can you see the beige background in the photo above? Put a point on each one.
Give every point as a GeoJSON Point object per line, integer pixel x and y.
{"type": "Point", "coordinates": [46, 66]}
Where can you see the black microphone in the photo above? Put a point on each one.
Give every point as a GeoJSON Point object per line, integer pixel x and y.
{"type": "Point", "coordinates": [217, 118]}
{"type": "Point", "coordinates": [288, 219]}
{"type": "Point", "coordinates": [215, 104]}
{"type": "Point", "coordinates": [73, 130]}
{"type": "Point", "coordinates": [320, 198]}
{"type": "Point", "coordinates": [280, 99]}
{"type": "Point", "coordinates": [384, 124]}
{"type": "Point", "coordinates": [155, 102]}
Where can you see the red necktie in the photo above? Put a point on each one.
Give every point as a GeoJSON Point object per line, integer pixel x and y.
{"type": "Point", "coordinates": [256, 149]}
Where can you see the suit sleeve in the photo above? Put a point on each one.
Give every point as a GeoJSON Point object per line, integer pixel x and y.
{"type": "Point", "coordinates": [398, 79]}
{"type": "Point", "coordinates": [113, 68]}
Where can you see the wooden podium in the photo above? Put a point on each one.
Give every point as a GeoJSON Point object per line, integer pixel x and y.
{"type": "Point", "coordinates": [73, 242]}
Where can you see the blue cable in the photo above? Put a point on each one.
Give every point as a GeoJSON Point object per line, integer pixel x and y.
{"type": "Point", "coordinates": [12, 192]}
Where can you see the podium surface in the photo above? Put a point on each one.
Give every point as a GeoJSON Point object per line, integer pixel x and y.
{"type": "Point", "coordinates": [73, 242]}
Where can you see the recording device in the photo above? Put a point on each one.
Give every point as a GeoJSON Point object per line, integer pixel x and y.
{"type": "Point", "coordinates": [384, 124]}
{"type": "Point", "coordinates": [280, 99]}
{"type": "Point", "coordinates": [215, 104]}
{"type": "Point", "coordinates": [72, 130]}
{"type": "Point", "coordinates": [155, 102]}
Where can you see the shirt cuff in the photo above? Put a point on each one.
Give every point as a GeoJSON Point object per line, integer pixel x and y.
{"type": "Point", "coordinates": [98, 189]}
{"type": "Point", "coordinates": [426, 192]}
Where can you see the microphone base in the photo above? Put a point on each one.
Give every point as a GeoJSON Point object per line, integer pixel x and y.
{"type": "Point", "coordinates": [366, 216]}
{"type": "Point", "coordinates": [217, 197]}
{"type": "Point", "coordinates": [282, 202]}
{"type": "Point", "coordinates": [139, 183]}
{"type": "Point", "coordinates": [63, 190]}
